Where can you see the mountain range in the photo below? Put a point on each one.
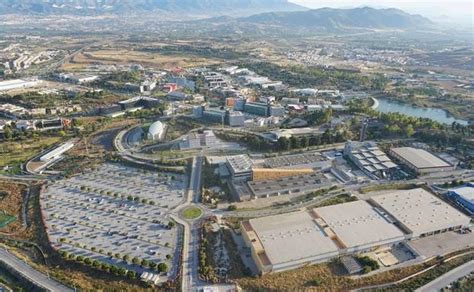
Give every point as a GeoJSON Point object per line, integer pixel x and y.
{"type": "Point", "coordinates": [340, 19]}
{"type": "Point", "coordinates": [188, 7]}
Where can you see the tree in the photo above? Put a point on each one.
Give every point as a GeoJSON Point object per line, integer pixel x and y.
{"type": "Point", "coordinates": [304, 142]}
{"type": "Point", "coordinates": [7, 133]}
{"type": "Point", "coordinates": [136, 261]}
{"type": "Point", "coordinates": [126, 258]}
{"type": "Point", "coordinates": [162, 267]}
{"type": "Point", "coordinates": [294, 143]}
{"type": "Point", "coordinates": [171, 224]}
{"type": "Point", "coordinates": [122, 271]}
{"type": "Point", "coordinates": [283, 143]}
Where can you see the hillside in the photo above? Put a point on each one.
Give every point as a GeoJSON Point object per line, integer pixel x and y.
{"type": "Point", "coordinates": [191, 7]}
{"type": "Point", "coordinates": [341, 19]}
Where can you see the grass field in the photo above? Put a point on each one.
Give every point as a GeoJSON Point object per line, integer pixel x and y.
{"type": "Point", "coordinates": [192, 213]}
{"type": "Point", "coordinates": [5, 219]}
{"type": "Point", "coordinates": [12, 153]}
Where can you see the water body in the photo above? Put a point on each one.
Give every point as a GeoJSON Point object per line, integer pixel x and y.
{"type": "Point", "coordinates": [436, 114]}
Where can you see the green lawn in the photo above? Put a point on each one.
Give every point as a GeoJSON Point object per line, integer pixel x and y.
{"type": "Point", "coordinates": [5, 219]}
{"type": "Point", "coordinates": [192, 213]}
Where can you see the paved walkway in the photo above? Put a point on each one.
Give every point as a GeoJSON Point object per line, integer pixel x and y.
{"type": "Point", "coordinates": [31, 274]}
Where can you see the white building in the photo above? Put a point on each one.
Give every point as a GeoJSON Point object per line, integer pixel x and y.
{"type": "Point", "coordinates": [156, 131]}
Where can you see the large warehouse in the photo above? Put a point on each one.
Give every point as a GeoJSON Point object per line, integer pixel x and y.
{"type": "Point", "coordinates": [420, 213]}
{"type": "Point", "coordinates": [419, 160]}
{"type": "Point", "coordinates": [289, 241]}
{"type": "Point", "coordinates": [464, 196]}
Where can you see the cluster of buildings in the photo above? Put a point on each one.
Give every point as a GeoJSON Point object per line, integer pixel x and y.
{"type": "Point", "coordinates": [220, 116]}
{"type": "Point", "coordinates": [368, 157]}
{"type": "Point", "coordinates": [76, 78]}
{"type": "Point", "coordinates": [15, 60]}
{"type": "Point", "coordinates": [197, 140]}
{"type": "Point", "coordinates": [129, 105]}
{"type": "Point", "coordinates": [376, 164]}
{"type": "Point", "coordinates": [288, 241]}
{"type": "Point", "coordinates": [279, 176]}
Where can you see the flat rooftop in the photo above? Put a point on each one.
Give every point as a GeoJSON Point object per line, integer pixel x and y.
{"type": "Point", "coordinates": [240, 163]}
{"type": "Point", "coordinates": [420, 158]}
{"type": "Point", "coordinates": [420, 211]}
{"type": "Point", "coordinates": [359, 224]}
{"type": "Point", "coordinates": [292, 237]}
{"type": "Point", "coordinates": [467, 192]}
{"type": "Point", "coordinates": [287, 185]}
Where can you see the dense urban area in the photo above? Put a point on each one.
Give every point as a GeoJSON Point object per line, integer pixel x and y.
{"type": "Point", "coordinates": [244, 153]}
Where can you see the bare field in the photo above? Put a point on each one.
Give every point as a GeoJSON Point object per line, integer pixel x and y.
{"type": "Point", "coordinates": [123, 56]}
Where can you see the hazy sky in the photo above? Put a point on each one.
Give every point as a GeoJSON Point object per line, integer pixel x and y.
{"type": "Point", "coordinates": [461, 10]}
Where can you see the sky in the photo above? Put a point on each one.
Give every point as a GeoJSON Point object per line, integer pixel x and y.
{"type": "Point", "coordinates": [461, 11]}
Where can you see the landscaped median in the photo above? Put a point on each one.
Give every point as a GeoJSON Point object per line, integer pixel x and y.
{"type": "Point", "coordinates": [191, 213]}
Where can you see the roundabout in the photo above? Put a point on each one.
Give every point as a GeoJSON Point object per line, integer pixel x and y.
{"type": "Point", "coordinates": [191, 213]}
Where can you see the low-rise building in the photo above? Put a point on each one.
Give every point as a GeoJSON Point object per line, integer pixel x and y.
{"type": "Point", "coordinates": [240, 166]}
{"type": "Point", "coordinates": [463, 196]}
{"type": "Point", "coordinates": [368, 157]}
{"type": "Point", "coordinates": [419, 160]}
{"type": "Point", "coordinates": [419, 213]}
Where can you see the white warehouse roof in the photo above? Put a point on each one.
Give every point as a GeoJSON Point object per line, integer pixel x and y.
{"type": "Point", "coordinates": [359, 225]}
{"type": "Point", "coordinates": [420, 158]}
{"type": "Point", "coordinates": [420, 211]}
{"type": "Point", "coordinates": [292, 237]}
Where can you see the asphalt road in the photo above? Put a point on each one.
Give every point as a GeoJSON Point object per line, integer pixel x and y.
{"type": "Point", "coordinates": [448, 278]}
{"type": "Point", "coordinates": [28, 272]}
{"type": "Point", "coordinates": [190, 277]}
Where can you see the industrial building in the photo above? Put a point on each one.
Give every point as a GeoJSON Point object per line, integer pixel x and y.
{"type": "Point", "coordinates": [18, 84]}
{"type": "Point", "coordinates": [368, 157]}
{"type": "Point", "coordinates": [289, 241]}
{"type": "Point", "coordinates": [156, 132]}
{"type": "Point", "coordinates": [419, 213]}
{"type": "Point", "coordinates": [56, 152]}
{"type": "Point", "coordinates": [463, 196]}
{"type": "Point", "coordinates": [261, 174]}
{"type": "Point", "coordinates": [420, 160]}
{"type": "Point", "coordinates": [357, 226]}
{"type": "Point", "coordinates": [300, 184]}
{"type": "Point", "coordinates": [240, 166]}
{"type": "Point", "coordinates": [310, 160]}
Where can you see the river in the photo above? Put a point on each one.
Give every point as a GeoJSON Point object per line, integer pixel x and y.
{"type": "Point", "coordinates": [439, 115]}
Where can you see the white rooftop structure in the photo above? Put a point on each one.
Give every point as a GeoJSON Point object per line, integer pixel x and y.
{"type": "Point", "coordinates": [156, 131]}
{"type": "Point", "coordinates": [17, 84]}
{"type": "Point", "coordinates": [466, 192]}
{"type": "Point", "coordinates": [292, 238]}
{"type": "Point", "coordinates": [240, 165]}
{"type": "Point", "coordinates": [419, 159]}
{"type": "Point", "coordinates": [359, 225]}
{"type": "Point", "coordinates": [420, 212]}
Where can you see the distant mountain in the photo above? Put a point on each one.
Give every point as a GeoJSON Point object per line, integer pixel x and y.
{"type": "Point", "coordinates": [330, 19]}
{"type": "Point", "coordinates": [188, 7]}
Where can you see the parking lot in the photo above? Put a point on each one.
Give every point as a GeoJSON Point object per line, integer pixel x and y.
{"type": "Point", "coordinates": [113, 212]}
{"type": "Point", "coordinates": [306, 159]}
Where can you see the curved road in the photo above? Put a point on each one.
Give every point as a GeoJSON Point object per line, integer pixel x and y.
{"type": "Point", "coordinates": [448, 278]}
{"type": "Point", "coordinates": [31, 274]}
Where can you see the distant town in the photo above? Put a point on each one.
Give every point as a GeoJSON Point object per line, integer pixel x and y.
{"type": "Point", "coordinates": [203, 156]}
